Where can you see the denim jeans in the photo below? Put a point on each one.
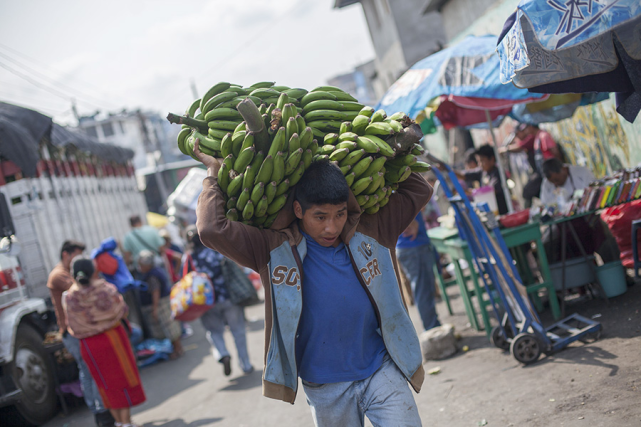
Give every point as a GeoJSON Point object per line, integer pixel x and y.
{"type": "Point", "coordinates": [89, 388]}
{"type": "Point", "coordinates": [384, 397]}
{"type": "Point", "coordinates": [214, 321]}
{"type": "Point", "coordinates": [418, 264]}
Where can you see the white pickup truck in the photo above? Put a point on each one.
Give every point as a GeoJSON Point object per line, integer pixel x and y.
{"type": "Point", "coordinates": [82, 190]}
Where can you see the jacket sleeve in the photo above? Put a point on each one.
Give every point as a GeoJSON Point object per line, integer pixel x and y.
{"type": "Point", "coordinates": [246, 245]}
{"type": "Point", "coordinates": [406, 202]}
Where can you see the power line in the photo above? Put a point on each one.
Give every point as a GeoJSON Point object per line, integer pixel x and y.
{"type": "Point", "coordinates": [46, 78]}
{"type": "Point", "coordinates": [36, 83]}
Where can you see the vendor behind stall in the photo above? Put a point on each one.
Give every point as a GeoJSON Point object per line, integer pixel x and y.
{"type": "Point", "coordinates": [559, 184]}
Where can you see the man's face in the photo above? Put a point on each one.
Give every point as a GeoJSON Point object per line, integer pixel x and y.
{"type": "Point", "coordinates": [68, 256]}
{"type": "Point", "coordinates": [558, 178]}
{"type": "Point", "coordinates": [324, 223]}
{"type": "Point", "coordinates": [487, 163]}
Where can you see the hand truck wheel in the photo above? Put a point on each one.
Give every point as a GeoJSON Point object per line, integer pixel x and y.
{"type": "Point", "coordinates": [525, 348]}
{"type": "Point", "coordinates": [498, 339]}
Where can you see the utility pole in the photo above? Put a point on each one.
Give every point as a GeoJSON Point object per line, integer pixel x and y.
{"type": "Point", "coordinates": [155, 148]}
{"type": "Point", "coordinates": [75, 110]}
{"type": "Point", "coordinates": [194, 91]}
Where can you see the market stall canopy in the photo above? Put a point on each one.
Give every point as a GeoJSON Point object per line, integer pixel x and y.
{"type": "Point", "coordinates": [575, 46]}
{"type": "Point", "coordinates": [21, 131]}
{"type": "Point", "coordinates": [63, 137]}
{"type": "Point", "coordinates": [467, 75]}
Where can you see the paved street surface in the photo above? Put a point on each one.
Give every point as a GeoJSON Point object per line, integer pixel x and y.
{"type": "Point", "coordinates": [585, 385]}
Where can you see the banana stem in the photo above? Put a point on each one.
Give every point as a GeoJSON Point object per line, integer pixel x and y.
{"type": "Point", "coordinates": [255, 123]}
{"type": "Point", "coordinates": [201, 125]}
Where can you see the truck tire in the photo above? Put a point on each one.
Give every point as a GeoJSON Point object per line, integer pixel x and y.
{"type": "Point", "coordinates": [33, 373]}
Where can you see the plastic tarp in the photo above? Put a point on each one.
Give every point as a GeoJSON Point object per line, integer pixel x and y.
{"type": "Point", "coordinates": [63, 137]}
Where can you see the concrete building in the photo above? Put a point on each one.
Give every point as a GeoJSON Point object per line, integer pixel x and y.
{"type": "Point", "coordinates": [359, 83]}
{"type": "Point", "coordinates": [150, 136]}
{"type": "Point", "coordinates": [401, 35]}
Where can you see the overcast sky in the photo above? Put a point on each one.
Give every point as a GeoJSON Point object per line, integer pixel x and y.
{"type": "Point", "coordinates": [143, 53]}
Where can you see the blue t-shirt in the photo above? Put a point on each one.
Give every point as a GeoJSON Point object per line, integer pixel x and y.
{"type": "Point", "coordinates": [338, 338]}
{"type": "Point", "coordinates": [421, 237]}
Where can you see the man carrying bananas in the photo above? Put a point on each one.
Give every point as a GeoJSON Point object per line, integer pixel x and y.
{"type": "Point", "coordinates": [334, 313]}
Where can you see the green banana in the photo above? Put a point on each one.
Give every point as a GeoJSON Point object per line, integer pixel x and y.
{"type": "Point", "coordinates": [373, 199]}
{"type": "Point", "coordinates": [223, 177]}
{"type": "Point", "coordinates": [289, 112]}
{"type": "Point", "coordinates": [316, 96]}
{"type": "Point", "coordinates": [359, 124]}
{"type": "Point", "coordinates": [350, 145]}
{"type": "Point", "coordinates": [279, 143]}
{"type": "Point", "coordinates": [394, 175]}
{"type": "Point", "coordinates": [282, 100]}
{"type": "Point", "coordinates": [366, 111]}
{"type": "Point", "coordinates": [372, 210]}
{"type": "Point", "coordinates": [327, 88]}
{"type": "Point", "coordinates": [257, 162]}
{"type": "Point", "coordinates": [313, 146]}
{"type": "Point", "coordinates": [262, 85]}
{"type": "Point", "coordinates": [350, 178]}
{"type": "Point", "coordinates": [344, 169]}
{"type": "Point", "coordinates": [346, 126]}
{"type": "Point", "coordinates": [350, 106]}
{"type": "Point", "coordinates": [265, 173]}
{"type": "Point", "coordinates": [338, 154]}
{"type": "Point", "coordinates": [295, 93]}
{"type": "Point", "coordinates": [211, 143]}
{"type": "Point", "coordinates": [216, 133]}
{"type": "Point", "coordinates": [294, 143]}
{"type": "Point", "coordinates": [223, 114]}
{"type": "Point", "coordinates": [265, 93]}
{"type": "Point", "coordinates": [379, 116]}
{"type": "Point", "coordinates": [343, 96]}
{"type": "Point", "coordinates": [270, 220]}
{"type": "Point", "coordinates": [386, 150]}
{"type": "Point", "coordinates": [244, 197]}
{"type": "Point", "coordinates": [300, 124]}
{"type": "Point", "coordinates": [362, 199]}
{"type": "Point", "coordinates": [353, 157]}
{"type": "Point", "coordinates": [325, 115]}
{"type": "Point", "coordinates": [262, 108]}
{"type": "Point", "coordinates": [250, 175]}
{"type": "Point", "coordinates": [325, 125]}
{"type": "Point", "coordinates": [417, 150]}
{"type": "Point", "coordinates": [270, 191]}
{"type": "Point", "coordinates": [320, 158]}
{"type": "Point", "coordinates": [235, 186]}
{"type": "Point", "coordinates": [307, 157]}
{"type": "Point", "coordinates": [278, 172]}
{"type": "Point", "coordinates": [362, 166]}
{"type": "Point", "coordinates": [281, 88]}
{"type": "Point", "coordinates": [248, 141]}
{"type": "Point", "coordinates": [248, 212]}
{"type": "Point", "coordinates": [382, 202]}
{"type": "Point", "coordinates": [226, 125]}
{"type": "Point", "coordinates": [282, 187]}
{"type": "Point", "coordinates": [348, 136]}
{"type": "Point", "coordinates": [396, 126]}
{"type": "Point", "coordinates": [378, 180]}
{"type": "Point", "coordinates": [306, 137]}
{"type": "Point", "coordinates": [191, 111]}
{"type": "Point", "coordinates": [297, 174]}
{"type": "Point", "coordinates": [231, 203]}
{"type": "Point", "coordinates": [326, 149]}
{"type": "Point", "coordinates": [404, 160]}
{"type": "Point", "coordinates": [368, 145]}
{"type": "Point", "coordinates": [292, 161]}
{"type": "Point", "coordinates": [229, 161]}
{"type": "Point", "coordinates": [218, 99]}
{"type": "Point", "coordinates": [244, 158]}
{"type": "Point", "coordinates": [379, 129]}
{"type": "Point", "coordinates": [375, 166]}
{"type": "Point", "coordinates": [203, 149]}
{"type": "Point", "coordinates": [232, 215]}
{"type": "Point", "coordinates": [270, 109]}
{"type": "Point", "coordinates": [351, 115]}
{"type": "Point", "coordinates": [324, 104]}
{"type": "Point", "coordinates": [182, 136]}
{"type": "Point", "coordinates": [330, 139]}
{"type": "Point", "coordinates": [261, 208]}
{"type": "Point", "coordinates": [242, 126]}
{"type": "Point", "coordinates": [398, 116]}
{"type": "Point", "coordinates": [213, 91]}
{"type": "Point", "coordinates": [318, 133]}
{"type": "Point", "coordinates": [237, 142]}
{"type": "Point", "coordinates": [381, 193]}
{"type": "Point", "coordinates": [277, 204]}
{"type": "Point", "coordinates": [291, 128]}
{"type": "Point", "coordinates": [405, 175]}
{"type": "Point", "coordinates": [420, 167]}
{"type": "Point", "coordinates": [359, 186]}
{"type": "Point", "coordinates": [257, 193]}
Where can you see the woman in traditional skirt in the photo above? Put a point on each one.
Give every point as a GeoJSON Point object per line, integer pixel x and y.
{"type": "Point", "coordinates": [95, 310]}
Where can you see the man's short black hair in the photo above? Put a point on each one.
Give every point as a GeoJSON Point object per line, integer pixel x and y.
{"type": "Point", "coordinates": [551, 166]}
{"type": "Point", "coordinates": [70, 246]}
{"type": "Point", "coordinates": [322, 183]}
{"type": "Point", "coordinates": [134, 220]}
{"type": "Point", "coordinates": [486, 151]}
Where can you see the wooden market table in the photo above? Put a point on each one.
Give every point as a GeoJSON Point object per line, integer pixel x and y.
{"type": "Point", "coordinates": [447, 241]}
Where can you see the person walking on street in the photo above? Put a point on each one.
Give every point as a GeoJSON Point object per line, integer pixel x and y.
{"type": "Point", "coordinates": [335, 315]}
{"type": "Point", "coordinates": [59, 281]}
{"type": "Point", "coordinates": [208, 261]}
{"type": "Point", "coordinates": [95, 309]}
{"type": "Point", "coordinates": [416, 256]}
{"type": "Point", "coordinates": [155, 304]}
{"type": "Point", "coordinates": [141, 237]}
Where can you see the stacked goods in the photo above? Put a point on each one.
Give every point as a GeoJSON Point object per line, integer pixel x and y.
{"type": "Point", "coordinates": [268, 136]}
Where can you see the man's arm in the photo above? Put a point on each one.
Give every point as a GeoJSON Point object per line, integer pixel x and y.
{"type": "Point", "coordinates": [246, 245]}
{"type": "Point", "coordinates": [412, 195]}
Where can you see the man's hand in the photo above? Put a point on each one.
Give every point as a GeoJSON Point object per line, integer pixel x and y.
{"type": "Point", "coordinates": [412, 230]}
{"type": "Point", "coordinates": [213, 164]}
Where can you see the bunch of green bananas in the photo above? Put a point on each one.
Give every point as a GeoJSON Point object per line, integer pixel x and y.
{"type": "Point", "coordinates": [368, 153]}
{"type": "Point", "coordinates": [267, 145]}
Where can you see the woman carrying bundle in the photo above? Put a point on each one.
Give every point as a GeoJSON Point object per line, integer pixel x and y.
{"type": "Point", "coordinates": [95, 310]}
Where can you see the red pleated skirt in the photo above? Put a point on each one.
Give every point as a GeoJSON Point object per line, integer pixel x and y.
{"type": "Point", "coordinates": [113, 367]}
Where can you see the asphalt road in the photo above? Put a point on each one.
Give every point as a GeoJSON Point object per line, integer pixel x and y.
{"type": "Point", "coordinates": [596, 384]}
